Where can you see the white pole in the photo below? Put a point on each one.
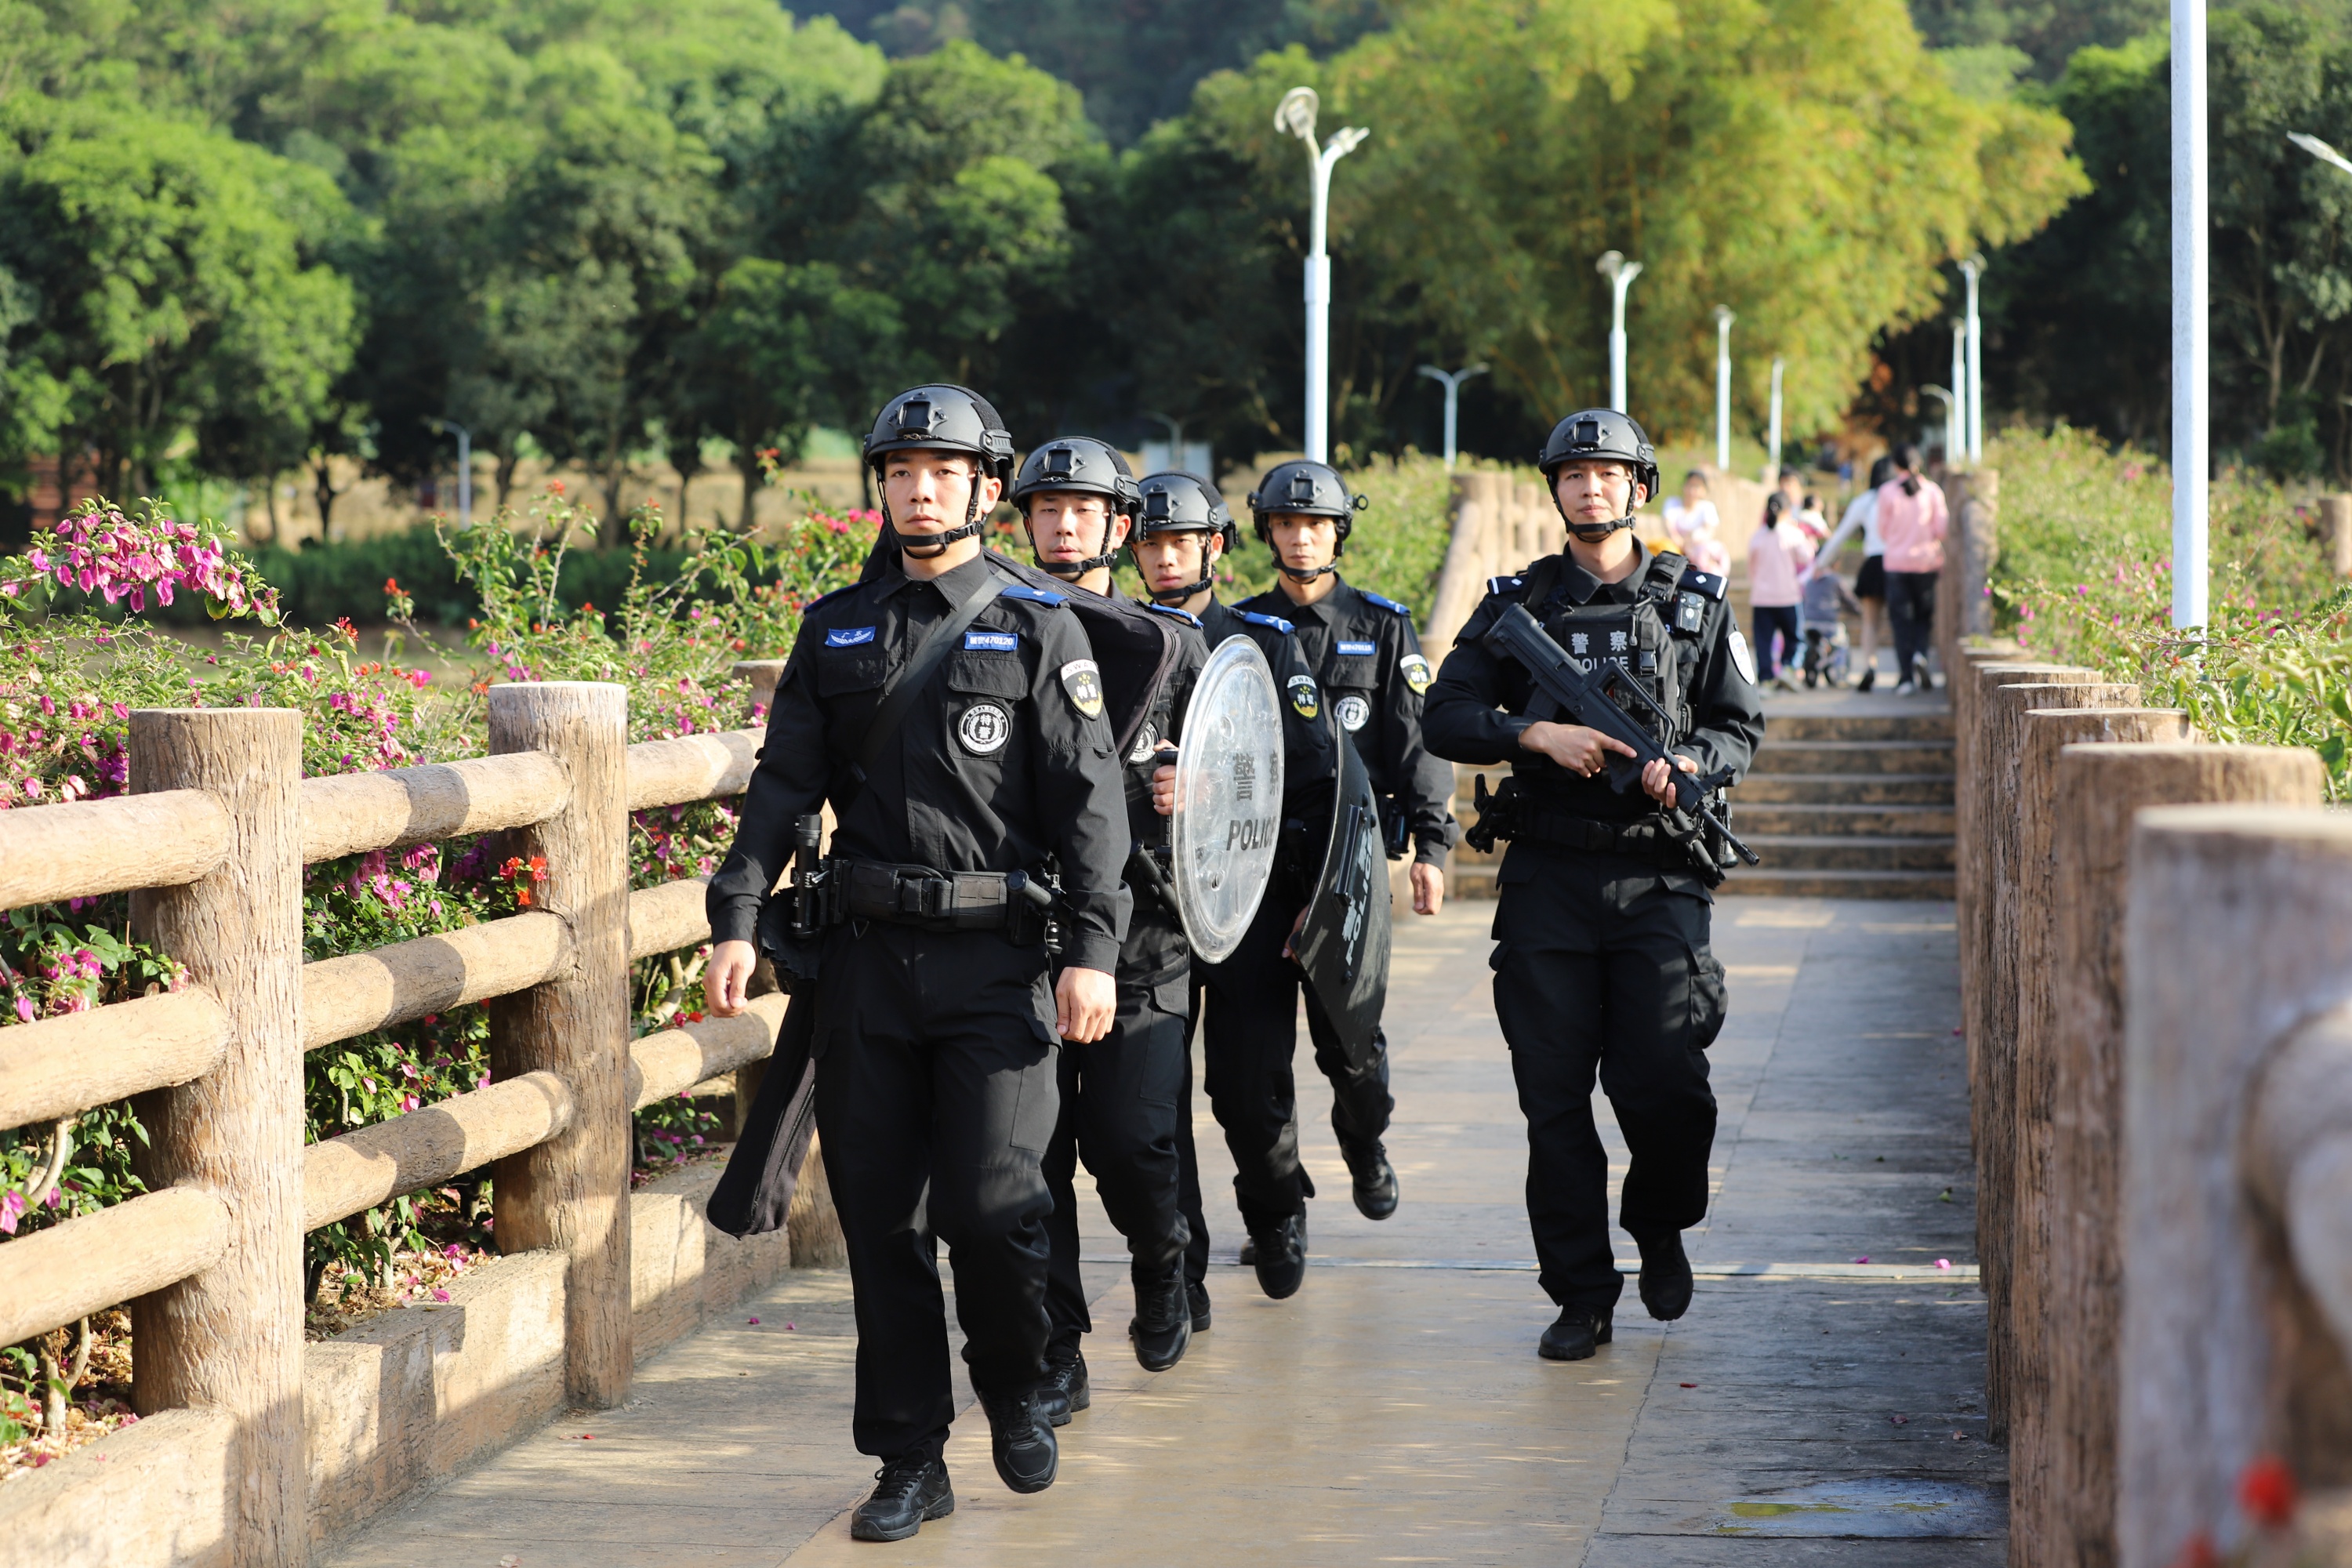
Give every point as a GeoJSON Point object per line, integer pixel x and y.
{"type": "Point", "coordinates": [465, 478]}
{"type": "Point", "coordinates": [1723, 319]}
{"type": "Point", "coordinates": [1453, 381]}
{"type": "Point", "coordinates": [2191, 351]}
{"type": "Point", "coordinates": [1295, 114]}
{"type": "Point", "coordinates": [1951, 419]}
{"type": "Point", "coordinates": [1956, 410]}
{"type": "Point", "coordinates": [1621, 274]}
{"type": "Point", "coordinates": [1773, 459]}
{"type": "Point", "coordinates": [1971, 268]}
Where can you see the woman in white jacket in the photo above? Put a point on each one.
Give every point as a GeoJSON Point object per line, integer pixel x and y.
{"type": "Point", "coordinates": [1870, 587]}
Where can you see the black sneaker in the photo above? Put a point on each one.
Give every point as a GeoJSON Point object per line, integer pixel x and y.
{"type": "Point", "coordinates": [1375, 1180]}
{"type": "Point", "coordinates": [1248, 1254]}
{"type": "Point", "coordinates": [1026, 1454]}
{"type": "Point", "coordinates": [908, 1490]}
{"type": "Point", "coordinates": [1197, 1297]}
{"type": "Point", "coordinates": [1579, 1332]}
{"type": "Point", "coordinates": [1665, 1276]}
{"type": "Point", "coordinates": [1065, 1392]}
{"type": "Point", "coordinates": [1281, 1257]}
{"type": "Point", "coordinates": [1162, 1325]}
{"type": "Point", "coordinates": [1869, 678]}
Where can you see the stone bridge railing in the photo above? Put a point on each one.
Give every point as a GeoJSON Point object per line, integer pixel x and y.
{"type": "Point", "coordinates": [255, 1447]}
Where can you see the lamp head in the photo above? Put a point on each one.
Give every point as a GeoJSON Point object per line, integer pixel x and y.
{"type": "Point", "coordinates": [1296, 113]}
{"type": "Point", "coordinates": [1612, 262]}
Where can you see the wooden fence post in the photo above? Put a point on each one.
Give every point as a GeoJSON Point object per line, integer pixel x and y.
{"type": "Point", "coordinates": [2239, 931]}
{"type": "Point", "coordinates": [2039, 1510]}
{"type": "Point", "coordinates": [2100, 788]}
{"type": "Point", "coordinates": [570, 1195]}
{"type": "Point", "coordinates": [2336, 530]}
{"type": "Point", "coordinates": [230, 1337]}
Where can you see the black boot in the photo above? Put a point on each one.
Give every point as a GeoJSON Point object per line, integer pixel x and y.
{"type": "Point", "coordinates": [909, 1489]}
{"type": "Point", "coordinates": [1026, 1454]}
{"type": "Point", "coordinates": [1162, 1325]}
{"type": "Point", "coordinates": [1869, 678]}
{"type": "Point", "coordinates": [1375, 1180]}
{"type": "Point", "coordinates": [1281, 1257]}
{"type": "Point", "coordinates": [1248, 1254]}
{"type": "Point", "coordinates": [1065, 1392]}
{"type": "Point", "coordinates": [1575, 1336]}
{"type": "Point", "coordinates": [1197, 1297]}
{"type": "Point", "coordinates": [1665, 1275]}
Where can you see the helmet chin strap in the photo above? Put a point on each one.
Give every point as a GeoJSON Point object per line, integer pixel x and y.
{"type": "Point", "coordinates": [1596, 533]}
{"type": "Point", "coordinates": [934, 545]}
{"type": "Point", "coordinates": [1071, 570]}
{"type": "Point", "coordinates": [1295, 575]}
{"type": "Point", "coordinates": [1176, 596]}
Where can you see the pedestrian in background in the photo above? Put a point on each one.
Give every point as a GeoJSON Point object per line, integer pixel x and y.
{"type": "Point", "coordinates": [1690, 514]}
{"type": "Point", "coordinates": [1870, 584]}
{"type": "Point", "coordinates": [1912, 517]}
{"type": "Point", "coordinates": [1778, 552]}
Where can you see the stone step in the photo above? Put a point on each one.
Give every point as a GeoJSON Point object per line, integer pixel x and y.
{"type": "Point", "coordinates": [1843, 789]}
{"type": "Point", "coordinates": [1802, 884]}
{"type": "Point", "coordinates": [1811, 852]}
{"type": "Point", "coordinates": [1818, 820]}
{"type": "Point", "coordinates": [1926, 726]}
{"type": "Point", "coordinates": [1854, 757]}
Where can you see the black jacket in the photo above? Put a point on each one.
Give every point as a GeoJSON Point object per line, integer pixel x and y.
{"type": "Point", "coordinates": [1310, 753]}
{"type": "Point", "coordinates": [1156, 953]}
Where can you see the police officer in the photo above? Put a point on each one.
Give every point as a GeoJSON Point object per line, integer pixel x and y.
{"type": "Point", "coordinates": [1369, 669]}
{"type": "Point", "coordinates": [1182, 529]}
{"type": "Point", "coordinates": [1120, 1093]}
{"type": "Point", "coordinates": [1601, 957]}
{"type": "Point", "coordinates": [953, 716]}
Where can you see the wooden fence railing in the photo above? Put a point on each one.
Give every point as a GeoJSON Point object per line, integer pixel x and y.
{"type": "Point", "coordinates": [211, 841]}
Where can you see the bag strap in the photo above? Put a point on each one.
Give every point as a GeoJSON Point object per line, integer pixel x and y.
{"type": "Point", "coordinates": [898, 694]}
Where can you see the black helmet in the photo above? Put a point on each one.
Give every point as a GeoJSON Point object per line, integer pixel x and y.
{"type": "Point", "coordinates": [1084, 466]}
{"type": "Point", "coordinates": [941, 417]}
{"type": "Point", "coordinates": [1179, 502]}
{"type": "Point", "coordinates": [1307, 489]}
{"type": "Point", "coordinates": [1600, 433]}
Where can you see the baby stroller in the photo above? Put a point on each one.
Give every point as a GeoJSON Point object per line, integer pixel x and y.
{"type": "Point", "coordinates": [1827, 653]}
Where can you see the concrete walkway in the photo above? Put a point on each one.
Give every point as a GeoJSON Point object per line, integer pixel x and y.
{"type": "Point", "coordinates": [1811, 1408]}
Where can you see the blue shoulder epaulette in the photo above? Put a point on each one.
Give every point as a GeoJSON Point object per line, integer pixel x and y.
{"type": "Point", "coordinates": [1694, 580]}
{"type": "Point", "coordinates": [1506, 584]}
{"type": "Point", "coordinates": [1181, 614]}
{"type": "Point", "coordinates": [1023, 591]}
{"type": "Point", "coordinates": [1385, 604]}
{"type": "Point", "coordinates": [1276, 622]}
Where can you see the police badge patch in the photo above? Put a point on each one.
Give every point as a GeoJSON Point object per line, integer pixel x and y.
{"type": "Point", "coordinates": [1082, 678]}
{"type": "Point", "coordinates": [1352, 711]}
{"type": "Point", "coordinates": [1303, 696]}
{"type": "Point", "coordinates": [1146, 740]}
{"type": "Point", "coordinates": [1742, 657]}
{"type": "Point", "coordinates": [1416, 671]}
{"type": "Point", "coordinates": [984, 728]}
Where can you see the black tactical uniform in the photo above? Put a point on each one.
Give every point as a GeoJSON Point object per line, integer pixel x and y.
{"type": "Point", "coordinates": [933, 1014]}
{"type": "Point", "coordinates": [1602, 928]}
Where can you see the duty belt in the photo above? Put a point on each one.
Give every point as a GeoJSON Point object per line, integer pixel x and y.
{"type": "Point", "coordinates": [922, 896]}
{"type": "Point", "coordinates": [1645, 839]}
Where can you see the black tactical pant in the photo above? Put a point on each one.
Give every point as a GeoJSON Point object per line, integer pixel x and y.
{"type": "Point", "coordinates": [934, 1100]}
{"type": "Point", "coordinates": [1249, 1035]}
{"type": "Point", "coordinates": [1119, 1097]}
{"type": "Point", "coordinates": [1603, 963]}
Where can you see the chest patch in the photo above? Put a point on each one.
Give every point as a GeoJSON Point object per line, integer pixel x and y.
{"type": "Point", "coordinates": [984, 728]}
{"type": "Point", "coordinates": [1416, 673]}
{"type": "Point", "coordinates": [1353, 710]}
{"type": "Point", "coordinates": [1304, 699]}
{"type": "Point", "coordinates": [1082, 678]}
{"type": "Point", "coordinates": [1146, 742]}
{"type": "Point", "coordinates": [848, 636]}
{"type": "Point", "coordinates": [1359, 649]}
{"type": "Point", "coordinates": [992, 642]}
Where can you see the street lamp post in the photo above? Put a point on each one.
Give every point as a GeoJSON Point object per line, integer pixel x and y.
{"type": "Point", "coordinates": [464, 468]}
{"type": "Point", "coordinates": [1621, 274]}
{"type": "Point", "coordinates": [1974, 418]}
{"type": "Point", "coordinates": [1952, 423]}
{"type": "Point", "coordinates": [1772, 457]}
{"type": "Point", "coordinates": [1723, 319]}
{"type": "Point", "coordinates": [2192, 349]}
{"type": "Point", "coordinates": [1295, 114]}
{"type": "Point", "coordinates": [1955, 417]}
{"type": "Point", "coordinates": [1453, 379]}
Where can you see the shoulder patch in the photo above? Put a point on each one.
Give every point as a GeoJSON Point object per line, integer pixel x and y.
{"type": "Point", "coordinates": [848, 636]}
{"type": "Point", "coordinates": [1694, 580]}
{"type": "Point", "coordinates": [1416, 671]}
{"type": "Point", "coordinates": [1082, 678]}
{"type": "Point", "coordinates": [1506, 584]}
{"type": "Point", "coordinates": [1177, 612]}
{"type": "Point", "coordinates": [1356, 648]}
{"type": "Point", "coordinates": [1037, 595]}
{"type": "Point", "coordinates": [1385, 604]}
{"type": "Point", "coordinates": [1276, 622]}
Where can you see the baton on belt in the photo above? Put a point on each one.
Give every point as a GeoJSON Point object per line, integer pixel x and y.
{"type": "Point", "coordinates": [1518, 635]}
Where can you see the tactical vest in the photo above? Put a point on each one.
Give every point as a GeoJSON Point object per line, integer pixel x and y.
{"type": "Point", "coordinates": [1655, 639]}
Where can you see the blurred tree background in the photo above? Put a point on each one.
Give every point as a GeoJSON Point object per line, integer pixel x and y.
{"type": "Point", "coordinates": [302, 238]}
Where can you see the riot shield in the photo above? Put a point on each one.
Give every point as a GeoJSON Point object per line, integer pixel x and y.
{"type": "Point", "coordinates": [1228, 812]}
{"type": "Point", "coordinates": [1343, 944]}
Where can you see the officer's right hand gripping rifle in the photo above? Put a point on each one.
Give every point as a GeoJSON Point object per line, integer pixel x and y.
{"type": "Point", "coordinates": [1516, 635]}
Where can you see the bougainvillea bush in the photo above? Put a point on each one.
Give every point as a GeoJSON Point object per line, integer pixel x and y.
{"type": "Point", "coordinates": [2084, 577]}
{"type": "Point", "coordinates": [68, 681]}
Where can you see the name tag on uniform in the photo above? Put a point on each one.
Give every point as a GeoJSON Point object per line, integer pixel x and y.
{"type": "Point", "coordinates": [848, 636]}
{"type": "Point", "coordinates": [1359, 648]}
{"type": "Point", "coordinates": [992, 642]}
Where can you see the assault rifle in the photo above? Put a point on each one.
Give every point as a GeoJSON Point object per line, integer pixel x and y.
{"type": "Point", "coordinates": [1516, 635]}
